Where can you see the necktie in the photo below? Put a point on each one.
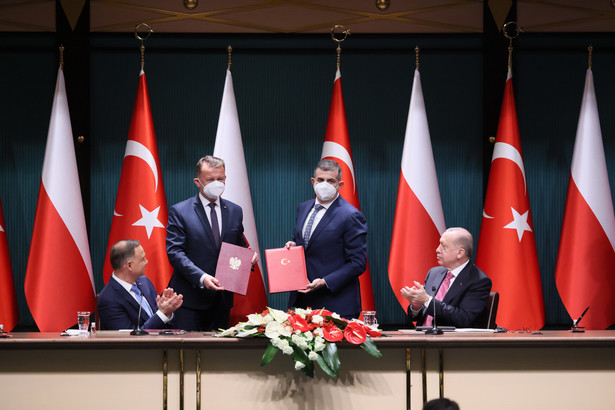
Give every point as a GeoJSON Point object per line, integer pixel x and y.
{"type": "Point", "coordinates": [142, 301]}
{"type": "Point", "coordinates": [446, 283]}
{"type": "Point", "coordinates": [215, 228]}
{"type": "Point", "coordinates": [308, 227]}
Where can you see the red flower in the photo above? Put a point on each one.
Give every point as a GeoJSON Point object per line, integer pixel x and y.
{"type": "Point", "coordinates": [298, 323]}
{"type": "Point", "coordinates": [332, 333]}
{"type": "Point", "coordinates": [321, 312]}
{"type": "Point", "coordinates": [372, 332]}
{"type": "Point", "coordinates": [355, 333]}
{"type": "Point", "coordinates": [265, 312]}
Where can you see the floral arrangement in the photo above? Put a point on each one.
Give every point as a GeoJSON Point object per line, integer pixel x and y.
{"type": "Point", "coordinates": [307, 335]}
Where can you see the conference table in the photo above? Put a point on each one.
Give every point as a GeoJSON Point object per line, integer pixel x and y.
{"type": "Point", "coordinates": [479, 370]}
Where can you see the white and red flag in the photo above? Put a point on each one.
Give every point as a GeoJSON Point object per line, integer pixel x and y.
{"type": "Point", "coordinates": [229, 147]}
{"type": "Point", "coordinates": [9, 315]}
{"type": "Point", "coordinates": [141, 207]}
{"type": "Point", "coordinates": [419, 220]}
{"type": "Point", "coordinates": [337, 147]}
{"type": "Point", "coordinates": [59, 279]}
{"type": "Point", "coordinates": [585, 274]}
{"type": "Point", "coordinates": [507, 245]}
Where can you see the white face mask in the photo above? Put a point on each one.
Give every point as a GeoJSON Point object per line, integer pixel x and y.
{"type": "Point", "coordinates": [325, 191]}
{"type": "Point", "coordinates": [213, 190]}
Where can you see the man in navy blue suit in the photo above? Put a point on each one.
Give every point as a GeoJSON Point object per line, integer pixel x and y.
{"type": "Point", "coordinates": [196, 229]}
{"type": "Point", "coordinates": [118, 302]}
{"type": "Point", "coordinates": [333, 233]}
{"type": "Point", "coordinates": [465, 288]}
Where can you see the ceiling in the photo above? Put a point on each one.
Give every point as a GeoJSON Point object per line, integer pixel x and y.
{"type": "Point", "coordinates": [310, 16]}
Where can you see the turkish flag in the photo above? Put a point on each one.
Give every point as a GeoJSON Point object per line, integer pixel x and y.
{"type": "Point", "coordinates": [337, 147]}
{"type": "Point", "coordinates": [229, 147]}
{"type": "Point", "coordinates": [141, 207]}
{"type": "Point", "coordinates": [419, 220]}
{"type": "Point", "coordinates": [59, 279]}
{"type": "Point", "coordinates": [584, 273]}
{"type": "Point", "coordinates": [9, 315]}
{"type": "Point", "coordinates": [507, 245]}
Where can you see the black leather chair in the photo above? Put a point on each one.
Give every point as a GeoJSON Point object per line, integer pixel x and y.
{"type": "Point", "coordinates": [487, 316]}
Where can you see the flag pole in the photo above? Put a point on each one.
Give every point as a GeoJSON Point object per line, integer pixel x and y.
{"type": "Point", "coordinates": [148, 31]}
{"type": "Point", "coordinates": [61, 57]}
{"type": "Point", "coordinates": [416, 53]}
{"type": "Point", "coordinates": [346, 33]}
{"type": "Point", "coordinates": [230, 50]}
{"type": "Point", "coordinates": [590, 50]}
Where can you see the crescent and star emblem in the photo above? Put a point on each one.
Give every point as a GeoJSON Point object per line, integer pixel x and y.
{"type": "Point", "coordinates": [332, 149]}
{"type": "Point", "coordinates": [285, 261]}
{"type": "Point", "coordinates": [503, 150]}
{"type": "Point", "coordinates": [149, 219]}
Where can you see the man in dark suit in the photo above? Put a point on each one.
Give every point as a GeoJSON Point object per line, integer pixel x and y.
{"type": "Point", "coordinates": [118, 302]}
{"type": "Point", "coordinates": [457, 288]}
{"type": "Point", "coordinates": [333, 233]}
{"type": "Point", "coordinates": [196, 229]}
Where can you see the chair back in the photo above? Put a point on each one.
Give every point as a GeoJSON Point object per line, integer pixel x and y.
{"type": "Point", "coordinates": [487, 316]}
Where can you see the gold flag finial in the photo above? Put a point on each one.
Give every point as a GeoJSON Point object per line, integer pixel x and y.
{"type": "Point", "coordinates": [61, 57]}
{"type": "Point", "coordinates": [230, 50]}
{"type": "Point", "coordinates": [416, 54]}
{"type": "Point", "coordinates": [590, 49]}
{"type": "Point", "coordinates": [346, 33]}
{"type": "Point", "coordinates": [515, 29]}
{"type": "Point", "coordinates": [142, 38]}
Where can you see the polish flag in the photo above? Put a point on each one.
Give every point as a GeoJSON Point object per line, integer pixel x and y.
{"type": "Point", "coordinates": [419, 220]}
{"type": "Point", "coordinates": [229, 147]}
{"type": "Point", "coordinates": [584, 273]}
{"type": "Point", "coordinates": [507, 244]}
{"type": "Point", "coordinates": [59, 279]}
{"type": "Point", "coordinates": [337, 147]}
{"type": "Point", "coordinates": [9, 315]}
{"type": "Point", "coordinates": [141, 207]}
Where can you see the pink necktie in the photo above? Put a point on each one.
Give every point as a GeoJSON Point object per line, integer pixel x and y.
{"type": "Point", "coordinates": [446, 283]}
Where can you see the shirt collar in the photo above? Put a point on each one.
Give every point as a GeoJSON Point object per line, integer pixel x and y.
{"type": "Point", "coordinates": [124, 284]}
{"type": "Point", "coordinates": [206, 201]}
{"type": "Point", "coordinates": [327, 205]}
{"type": "Point", "coordinates": [458, 269]}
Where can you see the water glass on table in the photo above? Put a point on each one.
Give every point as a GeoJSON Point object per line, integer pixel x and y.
{"type": "Point", "coordinates": [369, 317]}
{"type": "Point", "coordinates": [83, 320]}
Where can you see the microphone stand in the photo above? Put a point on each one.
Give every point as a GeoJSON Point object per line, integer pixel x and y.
{"type": "Point", "coordinates": [434, 329]}
{"type": "Point", "coordinates": [575, 323]}
{"type": "Point", "coordinates": [138, 331]}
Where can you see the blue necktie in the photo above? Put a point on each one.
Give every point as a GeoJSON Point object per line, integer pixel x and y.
{"type": "Point", "coordinates": [308, 228]}
{"type": "Point", "coordinates": [142, 301]}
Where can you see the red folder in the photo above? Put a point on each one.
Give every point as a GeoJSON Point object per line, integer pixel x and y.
{"type": "Point", "coordinates": [286, 269]}
{"type": "Point", "coordinates": [234, 267]}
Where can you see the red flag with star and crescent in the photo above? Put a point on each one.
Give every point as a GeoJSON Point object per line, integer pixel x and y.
{"type": "Point", "coordinates": [141, 207]}
{"type": "Point", "coordinates": [507, 245]}
{"type": "Point", "coordinates": [337, 148]}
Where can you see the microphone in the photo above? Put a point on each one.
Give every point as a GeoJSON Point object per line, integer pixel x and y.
{"type": "Point", "coordinates": [434, 330]}
{"type": "Point", "coordinates": [137, 330]}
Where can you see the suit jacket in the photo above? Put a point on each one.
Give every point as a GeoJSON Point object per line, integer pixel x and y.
{"type": "Point", "coordinates": [118, 309]}
{"type": "Point", "coordinates": [336, 252]}
{"type": "Point", "coordinates": [192, 250]}
{"type": "Point", "coordinates": [464, 301]}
